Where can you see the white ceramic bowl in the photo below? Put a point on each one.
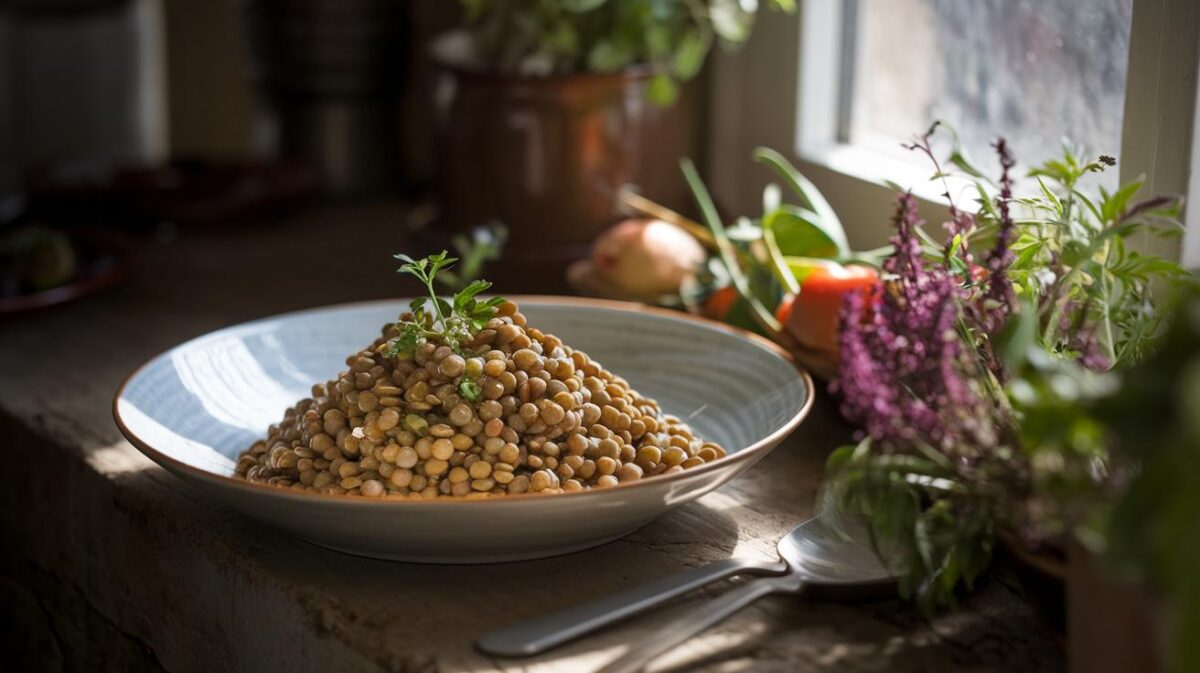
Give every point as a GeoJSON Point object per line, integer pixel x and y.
{"type": "Point", "coordinates": [195, 407]}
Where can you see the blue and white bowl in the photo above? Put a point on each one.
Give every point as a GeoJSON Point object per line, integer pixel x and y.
{"type": "Point", "coordinates": [194, 408]}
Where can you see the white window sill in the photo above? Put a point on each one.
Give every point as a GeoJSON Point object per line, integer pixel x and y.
{"type": "Point", "coordinates": [885, 169]}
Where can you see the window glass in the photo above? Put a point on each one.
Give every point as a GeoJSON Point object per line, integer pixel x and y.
{"type": "Point", "coordinates": [1033, 71]}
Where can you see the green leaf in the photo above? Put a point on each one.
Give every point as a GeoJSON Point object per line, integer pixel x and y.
{"type": "Point", "coordinates": [610, 56]}
{"type": "Point", "coordinates": [841, 458]}
{"type": "Point", "coordinates": [986, 204]}
{"type": "Point", "coordinates": [690, 53]}
{"type": "Point", "coordinates": [811, 197]}
{"type": "Point", "coordinates": [468, 293]}
{"type": "Point", "coordinates": [662, 90]}
{"type": "Point", "coordinates": [408, 341]}
{"type": "Point", "coordinates": [1112, 206]}
{"type": "Point", "coordinates": [562, 39]}
{"type": "Point", "coordinates": [802, 267]}
{"type": "Point", "coordinates": [959, 156]}
{"type": "Point", "coordinates": [1026, 257]}
{"type": "Point", "coordinates": [1050, 196]}
{"type": "Point", "coordinates": [732, 19]}
{"type": "Point", "coordinates": [798, 234]}
{"type": "Point", "coordinates": [659, 40]}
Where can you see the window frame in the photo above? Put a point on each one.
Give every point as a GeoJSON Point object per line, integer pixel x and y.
{"type": "Point", "coordinates": [796, 62]}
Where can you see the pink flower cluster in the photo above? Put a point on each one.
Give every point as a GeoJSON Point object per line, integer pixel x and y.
{"type": "Point", "coordinates": [911, 360]}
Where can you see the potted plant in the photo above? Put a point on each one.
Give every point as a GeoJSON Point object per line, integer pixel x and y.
{"type": "Point", "coordinates": [985, 371]}
{"type": "Point", "coordinates": [547, 107]}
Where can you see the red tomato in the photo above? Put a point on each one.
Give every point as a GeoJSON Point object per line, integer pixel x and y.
{"type": "Point", "coordinates": [719, 303]}
{"type": "Point", "coordinates": [813, 318]}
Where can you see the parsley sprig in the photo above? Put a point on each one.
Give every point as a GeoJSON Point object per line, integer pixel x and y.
{"type": "Point", "coordinates": [452, 322]}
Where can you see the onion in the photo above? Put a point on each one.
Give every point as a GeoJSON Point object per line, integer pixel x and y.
{"type": "Point", "coordinates": [646, 258]}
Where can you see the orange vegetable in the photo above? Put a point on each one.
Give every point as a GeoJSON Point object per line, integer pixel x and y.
{"type": "Point", "coordinates": [812, 318]}
{"type": "Point", "coordinates": [784, 310]}
{"type": "Point", "coordinates": [719, 303]}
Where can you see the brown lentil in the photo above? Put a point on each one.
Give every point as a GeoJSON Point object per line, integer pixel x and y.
{"type": "Point", "coordinates": [550, 420]}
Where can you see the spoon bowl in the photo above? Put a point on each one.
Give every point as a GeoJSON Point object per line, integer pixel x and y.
{"type": "Point", "coordinates": [828, 551]}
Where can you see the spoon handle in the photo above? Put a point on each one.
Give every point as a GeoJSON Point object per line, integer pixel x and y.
{"type": "Point", "coordinates": [697, 620]}
{"type": "Point", "coordinates": [541, 633]}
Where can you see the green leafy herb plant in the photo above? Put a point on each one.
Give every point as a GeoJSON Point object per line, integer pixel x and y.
{"type": "Point", "coordinates": [452, 321]}
{"type": "Point", "coordinates": [1083, 304]}
{"type": "Point", "coordinates": [544, 37]}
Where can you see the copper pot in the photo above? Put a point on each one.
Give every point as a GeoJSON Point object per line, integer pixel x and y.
{"type": "Point", "coordinates": [546, 155]}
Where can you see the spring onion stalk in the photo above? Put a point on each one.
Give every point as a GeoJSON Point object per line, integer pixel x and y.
{"type": "Point", "coordinates": [726, 249]}
{"type": "Point", "coordinates": [778, 264]}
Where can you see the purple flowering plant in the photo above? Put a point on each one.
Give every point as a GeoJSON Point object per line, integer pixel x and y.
{"type": "Point", "coordinates": [967, 366]}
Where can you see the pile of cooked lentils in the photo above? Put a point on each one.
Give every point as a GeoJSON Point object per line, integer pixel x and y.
{"type": "Point", "coordinates": [506, 410]}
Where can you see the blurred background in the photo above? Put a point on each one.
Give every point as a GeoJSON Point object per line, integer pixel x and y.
{"type": "Point", "coordinates": [127, 121]}
{"type": "Point", "coordinates": [127, 124]}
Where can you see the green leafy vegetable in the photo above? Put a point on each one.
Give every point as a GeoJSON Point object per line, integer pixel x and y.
{"type": "Point", "coordinates": [819, 214]}
{"type": "Point", "coordinates": [798, 234]}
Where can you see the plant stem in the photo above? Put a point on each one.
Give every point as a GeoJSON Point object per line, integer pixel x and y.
{"type": "Point", "coordinates": [784, 274]}
{"type": "Point", "coordinates": [726, 249]}
{"type": "Point", "coordinates": [1104, 288]}
{"type": "Point", "coordinates": [433, 297]}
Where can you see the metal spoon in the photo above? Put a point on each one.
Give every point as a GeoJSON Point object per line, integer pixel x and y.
{"type": "Point", "coordinates": [536, 635]}
{"type": "Point", "coordinates": [818, 552]}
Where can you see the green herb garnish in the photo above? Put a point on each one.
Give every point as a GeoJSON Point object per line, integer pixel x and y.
{"type": "Point", "coordinates": [470, 391]}
{"type": "Point", "coordinates": [452, 322]}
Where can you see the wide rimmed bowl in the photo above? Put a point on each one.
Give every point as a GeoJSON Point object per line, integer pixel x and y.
{"type": "Point", "coordinates": [195, 407]}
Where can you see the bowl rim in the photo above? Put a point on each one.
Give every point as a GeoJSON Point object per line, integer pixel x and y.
{"type": "Point", "coordinates": [757, 449]}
